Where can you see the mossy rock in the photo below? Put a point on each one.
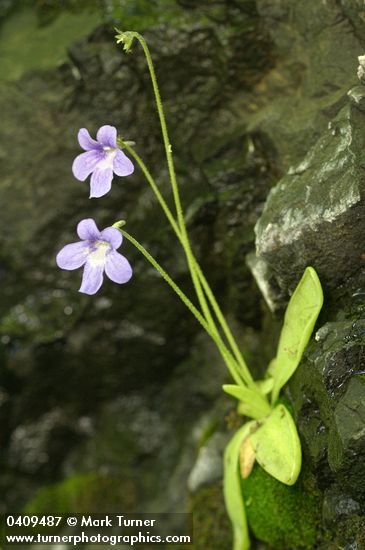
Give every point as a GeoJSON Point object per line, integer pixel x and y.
{"type": "Point", "coordinates": [285, 517]}
{"type": "Point", "coordinates": [352, 529]}
{"type": "Point", "coordinates": [212, 528]}
{"type": "Point", "coordinates": [84, 493]}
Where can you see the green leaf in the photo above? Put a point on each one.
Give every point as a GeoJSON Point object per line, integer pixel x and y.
{"type": "Point", "coordinates": [271, 368]}
{"type": "Point", "coordinates": [252, 404]}
{"type": "Point", "coordinates": [300, 317]}
{"type": "Point", "coordinates": [265, 386]}
{"type": "Point", "coordinates": [277, 446]}
{"type": "Point", "coordinates": [232, 488]}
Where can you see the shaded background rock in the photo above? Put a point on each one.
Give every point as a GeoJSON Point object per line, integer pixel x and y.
{"type": "Point", "coordinates": [119, 390]}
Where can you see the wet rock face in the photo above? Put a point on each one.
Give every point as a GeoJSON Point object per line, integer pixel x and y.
{"type": "Point", "coordinates": [354, 10]}
{"type": "Point", "coordinates": [347, 438]}
{"type": "Point", "coordinates": [308, 83]}
{"type": "Point", "coordinates": [314, 215]}
{"type": "Point", "coordinates": [324, 389]}
{"type": "Point", "coordinates": [328, 394]}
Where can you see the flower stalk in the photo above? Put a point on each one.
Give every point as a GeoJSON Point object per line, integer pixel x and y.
{"type": "Point", "coordinates": [200, 283]}
{"type": "Point", "coordinates": [127, 39]}
{"type": "Point", "coordinates": [227, 356]}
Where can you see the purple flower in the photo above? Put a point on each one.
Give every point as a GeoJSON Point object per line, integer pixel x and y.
{"type": "Point", "coordinates": [102, 158]}
{"type": "Point", "coordinates": [97, 252]}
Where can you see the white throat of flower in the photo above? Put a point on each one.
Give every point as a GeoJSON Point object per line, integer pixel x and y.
{"type": "Point", "coordinates": [98, 254]}
{"type": "Point", "coordinates": [107, 161]}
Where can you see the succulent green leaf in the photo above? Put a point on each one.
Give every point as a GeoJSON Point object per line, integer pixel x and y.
{"type": "Point", "coordinates": [271, 367]}
{"type": "Point", "coordinates": [277, 446]}
{"type": "Point", "coordinates": [300, 318]}
{"type": "Point", "coordinates": [252, 404]}
{"type": "Point", "coordinates": [232, 488]}
{"type": "Point", "coordinates": [265, 386]}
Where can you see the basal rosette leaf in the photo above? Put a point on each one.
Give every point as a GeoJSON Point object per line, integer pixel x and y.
{"type": "Point", "coordinates": [277, 446]}
{"type": "Point", "coordinates": [251, 404]}
{"type": "Point", "coordinates": [232, 488]}
{"type": "Point", "coordinates": [300, 318]}
{"type": "Point", "coordinates": [265, 386]}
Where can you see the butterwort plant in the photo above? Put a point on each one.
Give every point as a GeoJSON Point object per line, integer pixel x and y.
{"type": "Point", "coordinates": [268, 434]}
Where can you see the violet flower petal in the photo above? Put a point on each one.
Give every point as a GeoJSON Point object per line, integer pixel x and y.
{"type": "Point", "coordinates": [100, 182]}
{"type": "Point", "coordinates": [86, 141]}
{"type": "Point", "coordinates": [92, 278]}
{"type": "Point", "coordinates": [72, 255]}
{"type": "Point", "coordinates": [88, 231]}
{"type": "Point", "coordinates": [122, 166]}
{"type": "Point", "coordinates": [107, 136]}
{"type": "Point", "coordinates": [117, 267]}
{"type": "Point", "coordinates": [112, 236]}
{"type": "Point", "coordinates": [86, 163]}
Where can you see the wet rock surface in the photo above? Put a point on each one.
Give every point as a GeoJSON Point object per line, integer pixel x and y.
{"type": "Point", "coordinates": [328, 394]}
{"type": "Point", "coordinates": [255, 94]}
{"type": "Point", "coordinates": [314, 216]}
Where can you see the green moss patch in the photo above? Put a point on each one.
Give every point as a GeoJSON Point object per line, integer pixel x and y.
{"type": "Point", "coordinates": [85, 493]}
{"type": "Point", "coordinates": [25, 46]}
{"type": "Point", "coordinates": [284, 517]}
{"type": "Point", "coordinates": [212, 528]}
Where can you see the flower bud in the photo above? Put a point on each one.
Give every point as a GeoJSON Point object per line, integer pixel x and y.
{"type": "Point", "coordinates": [126, 38]}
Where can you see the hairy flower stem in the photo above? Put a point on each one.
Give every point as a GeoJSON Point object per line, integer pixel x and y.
{"type": "Point", "coordinates": [197, 275]}
{"type": "Point", "coordinates": [180, 216]}
{"type": "Point", "coordinates": [226, 355]}
{"type": "Point", "coordinates": [243, 369]}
